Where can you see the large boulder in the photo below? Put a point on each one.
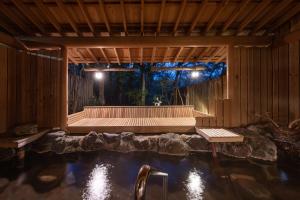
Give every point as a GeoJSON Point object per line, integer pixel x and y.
{"type": "Point", "coordinates": [254, 146]}
{"type": "Point", "coordinates": [111, 140]}
{"type": "Point", "coordinates": [45, 143]}
{"type": "Point", "coordinates": [126, 144]}
{"type": "Point", "coordinates": [198, 143]}
{"type": "Point", "coordinates": [145, 143]}
{"type": "Point", "coordinates": [92, 142]}
{"type": "Point", "coordinates": [171, 144]}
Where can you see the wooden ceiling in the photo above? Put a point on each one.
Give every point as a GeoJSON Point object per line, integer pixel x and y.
{"type": "Point", "coordinates": [107, 18]}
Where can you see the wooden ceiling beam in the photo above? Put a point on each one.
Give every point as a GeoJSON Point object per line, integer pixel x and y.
{"type": "Point", "coordinates": [104, 55]}
{"type": "Point", "coordinates": [257, 10]}
{"type": "Point", "coordinates": [104, 16]}
{"type": "Point", "coordinates": [28, 14]}
{"type": "Point", "coordinates": [200, 11]}
{"type": "Point", "coordinates": [280, 7]}
{"type": "Point", "coordinates": [165, 54]}
{"type": "Point", "coordinates": [153, 55]}
{"type": "Point", "coordinates": [178, 54]}
{"type": "Point", "coordinates": [151, 41]}
{"type": "Point", "coordinates": [117, 55]}
{"type": "Point", "coordinates": [48, 15]}
{"type": "Point", "coordinates": [190, 54]}
{"type": "Point", "coordinates": [216, 52]}
{"type": "Point", "coordinates": [294, 11]}
{"type": "Point", "coordinates": [92, 54]}
{"type": "Point", "coordinates": [124, 17]}
{"type": "Point", "coordinates": [7, 27]}
{"type": "Point", "coordinates": [142, 17]}
{"type": "Point", "coordinates": [222, 58]}
{"type": "Point", "coordinates": [63, 9]}
{"type": "Point", "coordinates": [240, 9]}
{"type": "Point", "coordinates": [216, 15]}
{"type": "Point", "coordinates": [206, 50]}
{"type": "Point", "coordinates": [8, 13]}
{"type": "Point", "coordinates": [72, 60]}
{"type": "Point", "coordinates": [86, 16]}
{"type": "Point", "coordinates": [161, 15]}
{"type": "Point", "coordinates": [182, 7]}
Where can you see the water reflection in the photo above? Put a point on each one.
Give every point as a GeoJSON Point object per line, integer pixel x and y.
{"type": "Point", "coordinates": [98, 185]}
{"type": "Point", "coordinates": [194, 185]}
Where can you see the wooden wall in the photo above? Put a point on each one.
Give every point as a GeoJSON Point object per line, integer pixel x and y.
{"type": "Point", "coordinates": [261, 80]}
{"type": "Point", "coordinates": [29, 88]}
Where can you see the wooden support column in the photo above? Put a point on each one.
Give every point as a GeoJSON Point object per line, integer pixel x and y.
{"type": "Point", "coordinates": [64, 89]}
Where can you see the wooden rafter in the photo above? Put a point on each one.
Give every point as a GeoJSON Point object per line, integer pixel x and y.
{"type": "Point", "coordinates": [86, 16]}
{"type": "Point", "coordinates": [161, 15]}
{"type": "Point", "coordinates": [7, 27]}
{"type": "Point", "coordinates": [72, 60]}
{"type": "Point", "coordinates": [280, 7]}
{"type": "Point", "coordinates": [153, 55]}
{"type": "Point", "coordinates": [63, 9]}
{"type": "Point", "coordinates": [165, 54]}
{"type": "Point", "coordinates": [286, 17]}
{"type": "Point", "coordinates": [216, 52]}
{"type": "Point", "coordinates": [48, 15]}
{"type": "Point", "coordinates": [223, 57]}
{"type": "Point", "coordinates": [257, 10]}
{"type": "Point", "coordinates": [141, 56]}
{"type": "Point", "coordinates": [216, 15]}
{"type": "Point", "coordinates": [28, 14]}
{"type": "Point", "coordinates": [142, 17]}
{"type": "Point", "coordinates": [92, 54]}
{"type": "Point", "coordinates": [178, 54]}
{"type": "Point", "coordinates": [240, 9]}
{"type": "Point", "coordinates": [190, 54]}
{"type": "Point", "coordinates": [14, 18]}
{"type": "Point", "coordinates": [196, 19]}
{"type": "Point", "coordinates": [104, 16]}
{"type": "Point", "coordinates": [124, 17]}
{"type": "Point", "coordinates": [206, 50]}
{"type": "Point", "coordinates": [151, 41]}
{"type": "Point", "coordinates": [82, 59]}
{"type": "Point", "coordinates": [182, 7]}
{"type": "Point", "coordinates": [104, 55]}
{"type": "Point", "coordinates": [117, 55]}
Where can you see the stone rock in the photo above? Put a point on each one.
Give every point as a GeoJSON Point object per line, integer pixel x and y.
{"type": "Point", "coordinates": [45, 143]}
{"type": "Point", "coordinates": [238, 150]}
{"type": "Point", "coordinates": [198, 143]}
{"type": "Point", "coordinates": [254, 146]}
{"type": "Point", "coordinates": [127, 136]}
{"type": "Point", "coordinates": [73, 144]}
{"type": "Point", "coordinates": [58, 146]}
{"type": "Point", "coordinates": [111, 140]}
{"type": "Point", "coordinates": [92, 142]}
{"type": "Point", "coordinates": [145, 143]}
{"type": "Point", "coordinates": [171, 144]}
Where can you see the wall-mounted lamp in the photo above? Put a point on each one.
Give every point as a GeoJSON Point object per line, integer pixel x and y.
{"type": "Point", "coordinates": [98, 75]}
{"type": "Point", "coordinates": [195, 74]}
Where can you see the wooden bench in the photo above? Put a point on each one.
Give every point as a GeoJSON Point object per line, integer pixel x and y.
{"type": "Point", "coordinates": [214, 135]}
{"type": "Point", "coordinates": [138, 119]}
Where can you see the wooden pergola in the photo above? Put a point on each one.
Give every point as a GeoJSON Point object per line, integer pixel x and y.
{"type": "Point", "coordinates": [170, 24]}
{"type": "Point", "coordinates": [137, 31]}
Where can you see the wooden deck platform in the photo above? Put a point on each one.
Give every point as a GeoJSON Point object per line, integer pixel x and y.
{"type": "Point", "coordinates": [219, 135]}
{"type": "Point", "coordinates": [136, 125]}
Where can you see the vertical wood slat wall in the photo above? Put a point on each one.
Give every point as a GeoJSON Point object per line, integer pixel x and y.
{"type": "Point", "coordinates": [29, 88]}
{"type": "Point", "coordinates": [263, 80]}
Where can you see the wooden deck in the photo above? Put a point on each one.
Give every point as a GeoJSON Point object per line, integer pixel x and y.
{"type": "Point", "coordinates": [219, 135]}
{"type": "Point", "coordinates": [137, 125]}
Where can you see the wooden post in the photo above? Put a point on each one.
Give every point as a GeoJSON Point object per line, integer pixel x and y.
{"type": "Point", "coordinates": [64, 89]}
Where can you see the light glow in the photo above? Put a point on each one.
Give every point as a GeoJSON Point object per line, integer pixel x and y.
{"type": "Point", "coordinates": [98, 186]}
{"type": "Point", "coordinates": [195, 74]}
{"type": "Point", "coordinates": [194, 186]}
{"type": "Point", "coordinates": [98, 75]}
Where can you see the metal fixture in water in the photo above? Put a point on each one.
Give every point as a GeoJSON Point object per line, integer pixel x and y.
{"type": "Point", "coordinates": [141, 182]}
